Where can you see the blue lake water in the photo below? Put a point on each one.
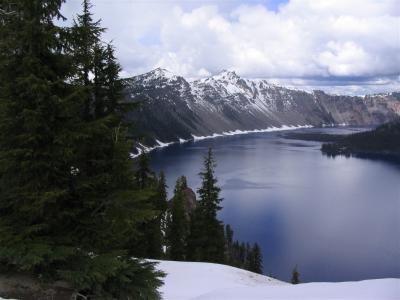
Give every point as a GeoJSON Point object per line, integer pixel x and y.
{"type": "Point", "coordinates": [336, 219]}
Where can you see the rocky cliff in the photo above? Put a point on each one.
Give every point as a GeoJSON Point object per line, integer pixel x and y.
{"type": "Point", "coordinates": [173, 108]}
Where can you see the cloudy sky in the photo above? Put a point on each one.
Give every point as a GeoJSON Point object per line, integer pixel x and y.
{"type": "Point", "coordinates": [341, 46]}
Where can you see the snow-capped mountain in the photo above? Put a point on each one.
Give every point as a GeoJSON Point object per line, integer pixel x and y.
{"type": "Point", "coordinates": [173, 108]}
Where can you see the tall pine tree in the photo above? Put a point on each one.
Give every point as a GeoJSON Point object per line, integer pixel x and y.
{"type": "Point", "coordinates": [206, 241]}
{"type": "Point", "coordinates": [229, 255]}
{"type": "Point", "coordinates": [86, 44]}
{"type": "Point", "coordinates": [157, 227]}
{"type": "Point", "coordinates": [254, 259]}
{"type": "Point", "coordinates": [67, 198]}
{"type": "Point", "coordinates": [178, 223]}
{"type": "Point", "coordinates": [37, 138]}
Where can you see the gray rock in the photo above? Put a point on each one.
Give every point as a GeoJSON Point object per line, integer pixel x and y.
{"type": "Point", "coordinates": [170, 107]}
{"type": "Point", "coordinates": [25, 287]}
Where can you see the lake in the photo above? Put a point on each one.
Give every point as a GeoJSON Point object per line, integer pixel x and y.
{"type": "Point", "coordinates": [337, 219]}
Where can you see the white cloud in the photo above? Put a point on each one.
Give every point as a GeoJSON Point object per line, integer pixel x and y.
{"type": "Point", "coordinates": [329, 39]}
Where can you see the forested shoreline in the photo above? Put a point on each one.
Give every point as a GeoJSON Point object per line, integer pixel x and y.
{"type": "Point", "coordinates": [383, 142]}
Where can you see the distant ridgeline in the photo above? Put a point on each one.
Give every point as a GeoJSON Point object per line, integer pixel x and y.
{"type": "Point", "coordinates": [172, 109]}
{"type": "Point", "coordinates": [384, 142]}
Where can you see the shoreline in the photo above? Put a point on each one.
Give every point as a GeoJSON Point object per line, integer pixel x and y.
{"type": "Point", "coordinates": [146, 149]}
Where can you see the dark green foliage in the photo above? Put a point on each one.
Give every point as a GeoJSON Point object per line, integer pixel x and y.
{"type": "Point", "coordinates": [206, 241]}
{"type": "Point", "coordinates": [87, 53]}
{"type": "Point", "coordinates": [195, 238]}
{"type": "Point", "coordinates": [156, 227]}
{"type": "Point", "coordinates": [150, 241]}
{"type": "Point", "coordinates": [242, 255]}
{"type": "Point", "coordinates": [254, 259]}
{"type": "Point", "coordinates": [384, 141]}
{"type": "Point", "coordinates": [114, 86]}
{"type": "Point", "coordinates": [200, 236]}
{"type": "Point", "coordinates": [144, 177]}
{"type": "Point", "coordinates": [228, 244]}
{"type": "Point", "coordinates": [68, 202]}
{"type": "Point", "coordinates": [177, 223]}
{"type": "Point", "coordinates": [37, 139]}
{"type": "Point", "coordinates": [209, 191]}
{"type": "Point", "coordinates": [295, 276]}
{"type": "Point", "coordinates": [112, 276]}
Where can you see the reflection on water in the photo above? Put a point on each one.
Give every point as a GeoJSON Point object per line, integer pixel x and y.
{"type": "Point", "coordinates": [337, 219]}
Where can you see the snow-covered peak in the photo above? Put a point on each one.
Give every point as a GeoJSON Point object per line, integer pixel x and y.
{"type": "Point", "coordinates": [226, 75]}
{"type": "Point", "coordinates": [160, 73]}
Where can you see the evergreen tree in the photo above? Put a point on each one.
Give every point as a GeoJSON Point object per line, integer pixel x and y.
{"type": "Point", "coordinates": [210, 243]}
{"type": "Point", "coordinates": [229, 245]}
{"type": "Point", "coordinates": [36, 139]}
{"type": "Point", "coordinates": [157, 227]}
{"type": "Point", "coordinates": [254, 258]}
{"type": "Point", "coordinates": [196, 237]}
{"type": "Point", "coordinates": [236, 255]}
{"type": "Point", "coordinates": [145, 243]}
{"type": "Point", "coordinates": [295, 276]}
{"type": "Point", "coordinates": [67, 199]}
{"type": "Point", "coordinates": [99, 81]}
{"type": "Point", "coordinates": [242, 254]}
{"type": "Point", "coordinates": [209, 191]}
{"type": "Point", "coordinates": [144, 176]}
{"type": "Point", "coordinates": [114, 86]}
{"type": "Point", "coordinates": [86, 47]}
{"type": "Point", "coordinates": [258, 259]}
{"type": "Point", "coordinates": [248, 258]}
{"type": "Point", "coordinates": [178, 224]}
{"type": "Point", "coordinates": [229, 235]}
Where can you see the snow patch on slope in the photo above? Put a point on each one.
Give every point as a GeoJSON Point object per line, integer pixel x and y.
{"type": "Point", "coordinates": [206, 281]}
{"type": "Point", "coordinates": [144, 149]}
{"type": "Point", "coordinates": [241, 132]}
{"type": "Point", "coordinates": [187, 280]}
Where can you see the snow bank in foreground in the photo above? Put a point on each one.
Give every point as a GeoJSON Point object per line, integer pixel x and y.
{"type": "Point", "coordinates": [205, 281]}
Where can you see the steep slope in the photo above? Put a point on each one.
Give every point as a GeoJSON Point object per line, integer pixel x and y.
{"type": "Point", "coordinates": [206, 281]}
{"type": "Point", "coordinates": [172, 107]}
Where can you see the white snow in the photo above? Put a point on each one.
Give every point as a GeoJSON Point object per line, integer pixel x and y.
{"type": "Point", "coordinates": [145, 149]}
{"type": "Point", "coordinates": [162, 145]}
{"type": "Point", "coordinates": [182, 141]}
{"type": "Point", "coordinates": [161, 73]}
{"type": "Point", "coordinates": [195, 138]}
{"type": "Point", "coordinates": [206, 281]}
{"type": "Point", "coordinates": [239, 132]}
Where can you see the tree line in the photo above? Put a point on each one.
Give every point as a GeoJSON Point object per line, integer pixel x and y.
{"type": "Point", "coordinates": [72, 208]}
{"type": "Point", "coordinates": [198, 235]}
{"type": "Point", "coordinates": [381, 142]}
{"type": "Point", "coordinates": [184, 234]}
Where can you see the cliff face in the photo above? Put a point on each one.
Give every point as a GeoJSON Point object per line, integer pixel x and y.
{"type": "Point", "coordinates": [172, 107]}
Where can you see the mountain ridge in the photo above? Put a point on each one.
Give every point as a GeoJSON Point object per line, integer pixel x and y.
{"type": "Point", "coordinates": [173, 108]}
